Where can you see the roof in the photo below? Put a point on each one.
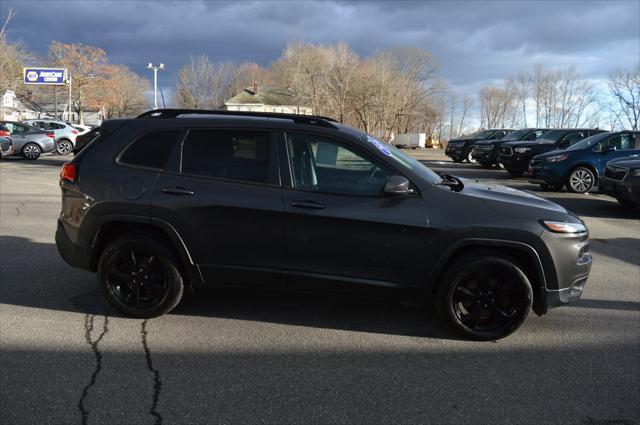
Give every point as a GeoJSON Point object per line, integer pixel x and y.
{"type": "Point", "coordinates": [265, 95]}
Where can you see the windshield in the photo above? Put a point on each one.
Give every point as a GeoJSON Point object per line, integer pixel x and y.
{"type": "Point", "coordinates": [588, 142]}
{"type": "Point", "coordinates": [552, 136]}
{"type": "Point", "coordinates": [484, 134]}
{"type": "Point", "coordinates": [516, 135]}
{"type": "Point", "coordinates": [402, 160]}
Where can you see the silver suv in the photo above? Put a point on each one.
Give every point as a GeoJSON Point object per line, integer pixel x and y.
{"type": "Point", "coordinates": [65, 134]}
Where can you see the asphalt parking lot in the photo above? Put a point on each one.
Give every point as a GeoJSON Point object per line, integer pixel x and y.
{"type": "Point", "coordinates": [252, 357]}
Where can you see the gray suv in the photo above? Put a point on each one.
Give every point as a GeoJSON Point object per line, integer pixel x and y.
{"type": "Point", "coordinates": [65, 134]}
{"type": "Point", "coordinates": [181, 199]}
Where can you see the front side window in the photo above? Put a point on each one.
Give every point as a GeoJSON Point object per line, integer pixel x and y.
{"type": "Point", "coordinates": [151, 150]}
{"type": "Point", "coordinates": [618, 142]}
{"type": "Point", "coordinates": [326, 165]}
{"type": "Point", "coordinates": [234, 155]}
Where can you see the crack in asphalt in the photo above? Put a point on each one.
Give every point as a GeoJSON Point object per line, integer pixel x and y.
{"type": "Point", "coordinates": [88, 330]}
{"type": "Point", "coordinates": [157, 383]}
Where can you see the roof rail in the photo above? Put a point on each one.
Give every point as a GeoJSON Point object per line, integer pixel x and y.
{"type": "Point", "coordinates": [299, 119]}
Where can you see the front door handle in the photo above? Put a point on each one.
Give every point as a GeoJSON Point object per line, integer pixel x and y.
{"type": "Point", "coordinates": [177, 191]}
{"type": "Point", "coordinates": [311, 205]}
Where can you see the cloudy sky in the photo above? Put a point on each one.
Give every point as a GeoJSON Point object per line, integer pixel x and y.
{"type": "Point", "coordinates": [474, 41]}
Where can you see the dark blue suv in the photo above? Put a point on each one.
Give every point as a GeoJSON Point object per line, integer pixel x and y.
{"type": "Point", "coordinates": [579, 166]}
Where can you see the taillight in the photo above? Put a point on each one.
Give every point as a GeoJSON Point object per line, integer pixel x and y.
{"type": "Point", "coordinates": [51, 134]}
{"type": "Point", "coordinates": [69, 172]}
{"type": "Point", "coordinates": [74, 131]}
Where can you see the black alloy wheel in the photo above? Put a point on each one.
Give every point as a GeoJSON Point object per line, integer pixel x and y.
{"type": "Point", "coordinates": [487, 298]}
{"type": "Point", "coordinates": [140, 277]}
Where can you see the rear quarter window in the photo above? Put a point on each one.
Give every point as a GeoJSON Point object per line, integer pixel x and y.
{"type": "Point", "coordinates": [150, 150]}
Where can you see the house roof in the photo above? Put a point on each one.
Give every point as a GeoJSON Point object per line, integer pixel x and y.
{"type": "Point", "coordinates": [265, 96]}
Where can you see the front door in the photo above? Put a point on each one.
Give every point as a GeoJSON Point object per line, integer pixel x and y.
{"type": "Point", "coordinates": [225, 201]}
{"type": "Point", "coordinates": [338, 224]}
{"type": "Point", "coordinates": [620, 145]}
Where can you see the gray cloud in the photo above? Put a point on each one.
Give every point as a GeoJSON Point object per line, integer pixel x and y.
{"type": "Point", "coordinates": [474, 41]}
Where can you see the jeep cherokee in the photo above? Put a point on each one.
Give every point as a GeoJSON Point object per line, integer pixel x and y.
{"type": "Point", "coordinates": [187, 198]}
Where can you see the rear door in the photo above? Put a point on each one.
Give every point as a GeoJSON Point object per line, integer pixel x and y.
{"type": "Point", "coordinates": [339, 226]}
{"type": "Point", "coordinates": [223, 197]}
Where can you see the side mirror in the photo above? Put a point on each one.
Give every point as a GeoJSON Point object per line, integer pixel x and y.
{"type": "Point", "coordinates": [608, 149]}
{"type": "Point", "coordinates": [397, 186]}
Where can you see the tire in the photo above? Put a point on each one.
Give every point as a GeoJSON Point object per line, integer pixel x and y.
{"type": "Point", "coordinates": [581, 180]}
{"type": "Point", "coordinates": [64, 147]}
{"type": "Point", "coordinates": [515, 173]}
{"type": "Point", "coordinates": [469, 157]}
{"type": "Point", "coordinates": [31, 151]}
{"type": "Point", "coordinates": [146, 284]}
{"type": "Point", "coordinates": [467, 304]}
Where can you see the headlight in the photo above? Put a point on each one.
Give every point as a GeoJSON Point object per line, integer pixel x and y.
{"type": "Point", "coordinates": [522, 150]}
{"type": "Point", "coordinates": [557, 158]}
{"type": "Point", "coordinates": [562, 227]}
{"type": "Point", "coordinates": [635, 173]}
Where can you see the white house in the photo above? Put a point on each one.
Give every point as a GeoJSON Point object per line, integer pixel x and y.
{"type": "Point", "coordinates": [14, 109]}
{"type": "Point", "coordinates": [267, 99]}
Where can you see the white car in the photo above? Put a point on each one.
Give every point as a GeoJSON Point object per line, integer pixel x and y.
{"type": "Point", "coordinates": [65, 133]}
{"type": "Point", "coordinates": [82, 129]}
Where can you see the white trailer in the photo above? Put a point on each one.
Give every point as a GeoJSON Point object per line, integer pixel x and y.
{"type": "Point", "coordinates": [410, 140]}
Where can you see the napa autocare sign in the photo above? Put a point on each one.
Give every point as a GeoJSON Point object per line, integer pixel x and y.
{"type": "Point", "coordinates": [43, 76]}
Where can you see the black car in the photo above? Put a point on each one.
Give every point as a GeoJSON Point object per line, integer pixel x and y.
{"type": "Point", "coordinates": [515, 156]}
{"type": "Point", "coordinates": [6, 147]}
{"type": "Point", "coordinates": [86, 138]}
{"type": "Point", "coordinates": [181, 199]}
{"type": "Point", "coordinates": [460, 149]}
{"type": "Point", "coordinates": [485, 152]}
{"type": "Point", "coordinates": [621, 179]}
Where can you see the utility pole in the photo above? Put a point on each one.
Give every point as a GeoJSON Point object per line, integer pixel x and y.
{"type": "Point", "coordinates": [69, 82]}
{"type": "Point", "coordinates": [155, 82]}
{"type": "Point", "coordinates": [55, 102]}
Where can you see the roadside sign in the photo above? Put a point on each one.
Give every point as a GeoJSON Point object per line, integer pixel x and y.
{"type": "Point", "coordinates": [44, 76]}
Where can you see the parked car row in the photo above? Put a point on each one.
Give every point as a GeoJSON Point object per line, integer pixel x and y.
{"type": "Point", "coordinates": [31, 138]}
{"type": "Point", "coordinates": [575, 158]}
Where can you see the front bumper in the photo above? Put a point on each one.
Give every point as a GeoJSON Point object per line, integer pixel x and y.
{"type": "Point", "coordinates": [485, 157]}
{"type": "Point", "coordinates": [627, 190]}
{"type": "Point", "coordinates": [542, 173]}
{"type": "Point", "coordinates": [455, 152]}
{"type": "Point", "coordinates": [515, 162]}
{"type": "Point", "coordinates": [572, 263]}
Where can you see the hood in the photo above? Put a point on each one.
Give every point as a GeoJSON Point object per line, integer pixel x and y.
{"type": "Point", "coordinates": [490, 142]}
{"type": "Point", "coordinates": [556, 152]}
{"type": "Point", "coordinates": [493, 193]}
{"type": "Point", "coordinates": [465, 140]}
{"type": "Point", "coordinates": [528, 144]}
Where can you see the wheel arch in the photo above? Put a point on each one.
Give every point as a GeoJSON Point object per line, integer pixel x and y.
{"type": "Point", "coordinates": [523, 254]}
{"type": "Point", "coordinates": [111, 227]}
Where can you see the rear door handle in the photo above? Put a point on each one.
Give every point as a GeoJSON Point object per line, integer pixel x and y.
{"type": "Point", "coordinates": [177, 191]}
{"type": "Point", "coordinates": [311, 205]}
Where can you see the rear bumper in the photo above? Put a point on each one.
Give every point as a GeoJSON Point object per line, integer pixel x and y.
{"type": "Point", "coordinates": [627, 190]}
{"type": "Point", "coordinates": [75, 255]}
{"type": "Point", "coordinates": [47, 145]}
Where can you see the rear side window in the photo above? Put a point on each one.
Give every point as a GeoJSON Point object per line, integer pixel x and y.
{"type": "Point", "coordinates": [235, 155]}
{"type": "Point", "coordinates": [150, 150]}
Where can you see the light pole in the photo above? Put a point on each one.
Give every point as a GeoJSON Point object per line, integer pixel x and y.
{"type": "Point", "coordinates": [155, 82]}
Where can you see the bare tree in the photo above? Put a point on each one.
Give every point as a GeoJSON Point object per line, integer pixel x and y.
{"type": "Point", "coordinates": [202, 84]}
{"type": "Point", "coordinates": [625, 89]}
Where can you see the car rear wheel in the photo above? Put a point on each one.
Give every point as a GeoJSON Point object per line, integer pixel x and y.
{"type": "Point", "coordinates": [484, 296]}
{"type": "Point", "coordinates": [64, 147]}
{"type": "Point", "coordinates": [140, 277]}
{"type": "Point", "coordinates": [31, 151]}
{"type": "Point", "coordinates": [581, 180]}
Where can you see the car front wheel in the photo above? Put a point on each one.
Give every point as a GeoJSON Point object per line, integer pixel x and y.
{"type": "Point", "coordinates": [470, 158]}
{"type": "Point", "coordinates": [484, 296]}
{"type": "Point", "coordinates": [64, 147]}
{"type": "Point", "coordinates": [581, 180]}
{"type": "Point", "coordinates": [140, 277]}
{"type": "Point", "coordinates": [31, 151]}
